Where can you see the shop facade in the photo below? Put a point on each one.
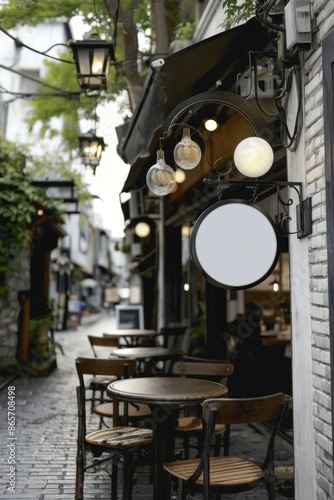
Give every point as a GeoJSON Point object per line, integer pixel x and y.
{"type": "Point", "coordinates": [305, 256]}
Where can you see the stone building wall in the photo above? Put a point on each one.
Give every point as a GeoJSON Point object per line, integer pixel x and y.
{"type": "Point", "coordinates": [10, 309]}
{"type": "Point", "coordinates": [322, 23]}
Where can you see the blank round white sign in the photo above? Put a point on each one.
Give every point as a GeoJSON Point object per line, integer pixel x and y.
{"type": "Point", "coordinates": [234, 244]}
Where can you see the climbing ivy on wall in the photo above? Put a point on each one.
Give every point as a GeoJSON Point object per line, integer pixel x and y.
{"type": "Point", "coordinates": [18, 201]}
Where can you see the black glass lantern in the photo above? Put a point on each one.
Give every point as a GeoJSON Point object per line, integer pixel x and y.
{"type": "Point", "coordinates": [91, 147]}
{"type": "Point", "coordinates": [92, 58]}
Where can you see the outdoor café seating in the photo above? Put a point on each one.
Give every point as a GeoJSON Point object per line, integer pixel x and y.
{"type": "Point", "coordinates": [114, 443]}
{"type": "Point", "coordinates": [101, 348]}
{"type": "Point", "coordinates": [171, 337]}
{"type": "Point", "coordinates": [149, 358]}
{"type": "Point", "coordinates": [231, 474]}
{"type": "Point", "coordinates": [164, 395]}
{"type": "Point", "coordinates": [190, 425]}
{"type": "Point", "coordinates": [114, 369]}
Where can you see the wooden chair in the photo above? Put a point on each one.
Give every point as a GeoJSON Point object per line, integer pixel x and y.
{"type": "Point", "coordinates": [191, 426]}
{"type": "Point", "coordinates": [102, 347]}
{"type": "Point", "coordinates": [170, 337]}
{"type": "Point", "coordinates": [173, 336]}
{"type": "Point", "coordinates": [108, 444]}
{"type": "Point", "coordinates": [112, 369]}
{"type": "Point", "coordinates": [231, 474]}
{"type": "Point", "coordinates": [117, 441]}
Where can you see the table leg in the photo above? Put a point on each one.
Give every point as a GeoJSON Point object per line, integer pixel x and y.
{"type": "Point", "coordinates": [164, 423]}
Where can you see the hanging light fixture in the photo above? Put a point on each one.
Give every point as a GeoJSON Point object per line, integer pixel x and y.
{"type": "Point", "coordinates": [180, 176]}
{"type": "Point", "coordinates": [92, 58]}
{"type": "Point", "coordinates": [210, 124]}
{"type": "Point", "coordinates": [142, 229]}
{"type": "Point", "coordinates": [275, 285]}
{"type": "Point", "coordinates": [91, 147]}
{"type": "Point", "coordinates": [160, 177]}
{"type": "Point", "coordinates": [253, 157]}
{"type": "Point", "coordinates": [187, 153]}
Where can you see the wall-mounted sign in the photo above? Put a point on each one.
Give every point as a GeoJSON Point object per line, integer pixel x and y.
{"type": "Point", "coordinates": [234, 244]}
{"type": "Point", "coordinates": [129, 317]}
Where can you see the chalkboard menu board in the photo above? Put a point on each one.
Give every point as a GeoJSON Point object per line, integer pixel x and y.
{"type": "Point", "coordinates": [129, 317]}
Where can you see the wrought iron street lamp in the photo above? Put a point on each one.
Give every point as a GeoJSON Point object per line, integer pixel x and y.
{"type": "Point", "coordinates": [92, 58]}
{"type": "Point", "coordinates": [91, 147]}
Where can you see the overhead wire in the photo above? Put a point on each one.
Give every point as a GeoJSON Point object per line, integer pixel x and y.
{"type": "Point", "coordinates": [290, 138]}
{"type": "Point", "coordinates": [115, 37]}
{"type": "Point", "coordinates": [28, 95]}
{"type": "Point", "coordinates": [264, 14]}
{"type": "Point", "coordinates": [36, 80]}
{"type": "Point", "coordinates": [45, 53]}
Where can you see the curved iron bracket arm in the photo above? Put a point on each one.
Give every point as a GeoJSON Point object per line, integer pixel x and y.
{"type": "Point", "coordinates": [260, 127]}
{"type": "Point", "coordinates": [303, 207]}
{"type": "Point", "coordinates": [235, 101]}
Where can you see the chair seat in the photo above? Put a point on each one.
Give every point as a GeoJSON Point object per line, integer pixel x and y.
{"type": "Point", "coordinates": [120, 437]}
{"type": "Point", "coordinates": [194, 424]}
{"type": "Point", "coordinates": [98, 381]}
{"type": "Point", "coordinates": [224, 471]}
{"type": "Point", "coordinates": [139, 410]}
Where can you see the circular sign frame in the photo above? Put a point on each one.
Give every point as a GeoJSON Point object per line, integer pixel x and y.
{"type": "Point", "coordinates": [234, 244]}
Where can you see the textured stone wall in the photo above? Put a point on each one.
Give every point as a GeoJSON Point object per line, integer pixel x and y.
{"type": "Point", "coordinates": [18, 281]}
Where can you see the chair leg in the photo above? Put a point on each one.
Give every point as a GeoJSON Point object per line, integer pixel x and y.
{"type": "Point", "coordinates": [184, 493]}
{"type": "Point", "coordinates": [80, 457]}
{"type": "Point", "coordinates": [269, 481]}
{"type": "Point", "coordinates": [114, 477]}
{"type": "Point", "coordinates": [79, 479]}
{"type": "Point", "coordinates": [270, 489]}
{"type": "Point", "coordinates": [93, 401]}
{"type": "Point", "coordinates": [186, 446]}
{"type": "Point", "coordinates": [127, 475]}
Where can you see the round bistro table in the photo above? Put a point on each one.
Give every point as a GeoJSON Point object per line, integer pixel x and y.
{"type": "Point", "coordinates": [164, 395]}
{"type": "Point", "coordinates": [149, 355]}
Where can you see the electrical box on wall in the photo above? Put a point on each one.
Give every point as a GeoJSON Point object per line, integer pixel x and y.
{"type": "Point", "coordinates": [267, 83]}
{"type": "Point", "coordinates": [297, 20]}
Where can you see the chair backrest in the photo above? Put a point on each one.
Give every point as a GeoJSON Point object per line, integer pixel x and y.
{"type": "Point", "coordinates": [103, 342]}
{"type": "Point", "coordinates": [173, 336]}
{"type": "Point", "coordinates": [245, 410]}
{"type": "Point", "coordinates": [231, 411]}
{"type": "Point", "coordinates": [195, 359]}
{"type": "Point", "coordinates": [119, 368]}
{"type": "Point", "coordinates": [207, 369]}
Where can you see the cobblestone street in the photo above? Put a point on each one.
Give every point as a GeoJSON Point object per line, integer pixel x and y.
{"type": "Point", "coordinates": [44, 448]}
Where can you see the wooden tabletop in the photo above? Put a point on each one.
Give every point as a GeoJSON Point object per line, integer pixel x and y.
{"type": "Point", "coordinates": [165, 390]}
{"type": "Point", "coordinates": [144, 353]}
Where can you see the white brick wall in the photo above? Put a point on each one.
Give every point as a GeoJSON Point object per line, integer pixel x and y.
{"type": "Point", "coordinates": [323, 22]}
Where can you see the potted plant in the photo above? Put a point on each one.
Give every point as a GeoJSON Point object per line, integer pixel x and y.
{"type": "Point", "coordinates": [42, 345]}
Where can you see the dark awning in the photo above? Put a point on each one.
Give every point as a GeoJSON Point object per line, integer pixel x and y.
{"type": "Point", "coordinates": [190, 71]}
